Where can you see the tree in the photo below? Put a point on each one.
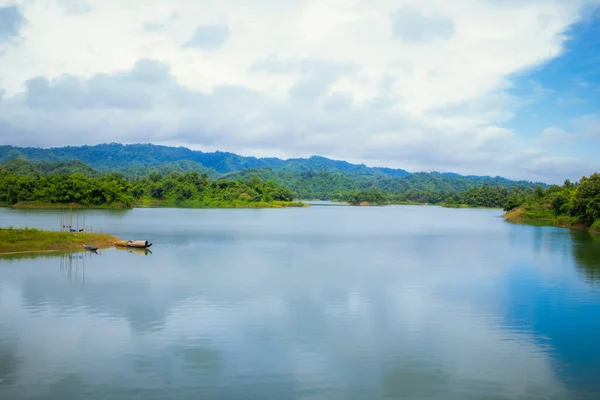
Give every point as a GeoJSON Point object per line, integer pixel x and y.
{"type": "Point", "coordinates": [538, 192]}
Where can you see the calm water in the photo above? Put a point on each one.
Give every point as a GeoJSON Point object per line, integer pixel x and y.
{"type": "Point", "coordinates": [319, 303]}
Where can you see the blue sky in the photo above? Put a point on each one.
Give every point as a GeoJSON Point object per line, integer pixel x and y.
{"type": "Point", "coordinates": [478, 87]}
{"type": "Point", "coordinates": [564, 90]}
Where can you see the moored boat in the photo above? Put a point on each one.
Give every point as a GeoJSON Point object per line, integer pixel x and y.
{"type": "Point", "coordinates": [140, 244]}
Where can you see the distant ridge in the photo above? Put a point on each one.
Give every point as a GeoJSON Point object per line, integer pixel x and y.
{"type": "Point", "coordinates": [115, 156]}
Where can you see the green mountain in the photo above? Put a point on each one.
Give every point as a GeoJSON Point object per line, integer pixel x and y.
{"type": "Point", "coordinates": [179, 183]}
{"type": "Point", "coordinates": [417, 187]}
{"type": "Point", "coordinates": [44, 168]}
{"type": "Point", "coordinates": [115, 156]}
{"type": "Point", "coordinates": [314, 177]}
{"type": "Point", "coordinates": [130, 159]}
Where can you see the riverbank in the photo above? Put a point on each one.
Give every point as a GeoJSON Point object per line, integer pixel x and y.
{"type": "Point", "coordinates": [446, 205]}
{"type": "Point", "coordinates": [528, 213]}
{"type": "Point", "coordinates": [20, 241]}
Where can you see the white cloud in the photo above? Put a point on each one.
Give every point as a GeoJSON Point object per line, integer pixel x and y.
{"type": "Point", "coordinates": [347, 79]}
{"type": "Point", "coordinates": [587, 126]}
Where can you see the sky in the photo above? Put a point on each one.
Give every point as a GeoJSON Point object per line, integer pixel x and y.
{"type": "Point", "coordinates": [483, 87]}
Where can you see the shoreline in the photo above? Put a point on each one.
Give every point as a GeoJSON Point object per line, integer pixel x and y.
{"type": "Point", "coordinates": [519, 216]}
{"type": "Point", "coordinates": [26, 241]}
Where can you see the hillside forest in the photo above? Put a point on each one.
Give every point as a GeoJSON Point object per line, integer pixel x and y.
{"type": "Point", "coordinates": [63, 182]}
{"type": "Point", "coordinates": [123, 176]}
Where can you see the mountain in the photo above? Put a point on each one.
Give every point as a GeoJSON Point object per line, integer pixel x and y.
{"type": "Point", "coordinates": [45, 168]}
{"type": "Point", "coordinates": [327, 185]}
{"type": "Point", "coordinates": [313, 177]}
{"type": "Point", "coordinates": [115, 156]}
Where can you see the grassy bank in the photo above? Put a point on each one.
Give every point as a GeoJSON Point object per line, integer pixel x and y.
{"type": "Point", "coordinates": [595, 228]}
{"type": "Point", "coordinates": [447, 205]}
{"type": "Point", "coordinates": [26, 240]}
{"type": "Point", "coordinates": [542, 215]}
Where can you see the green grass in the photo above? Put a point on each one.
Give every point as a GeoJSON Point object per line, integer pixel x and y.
{"type": "Point", "coordinates": [542, 214]}
{"type": "Point", "coordinates": [34, 240]}
{"type": "Point", "coordinates": [595, 228]}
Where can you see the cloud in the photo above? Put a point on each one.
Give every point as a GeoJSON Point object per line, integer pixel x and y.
{"type": "Point", "coordinates": [588, 126]}
{"type": "Point", "coordinates": [277, 65]}
{"type": "Point", "coordinates": [208, 37]}
{"type": "Point", "coordinates": [583, 127]}
{"type": "Point", "coordinates": [411, 25]}
{"type": "Point", "coordinates": [135, 89]}
{"type": "Point", "coordinates": [75, 7]}
{"type": "Point", "coordinates": [326, 77]}
{"type": "Point", "coordinates": [11, 22]}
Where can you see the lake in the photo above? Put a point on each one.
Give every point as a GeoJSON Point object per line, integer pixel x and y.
{"type": "Point", "coordinates": [395, 302]}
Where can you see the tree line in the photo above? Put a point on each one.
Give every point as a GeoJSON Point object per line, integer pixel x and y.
{"type": "Point", "coordinates": [75, 182]}
{"type": "Point", "coordinates": [570, 204]}
{"type": "Point", "coordinates": [116, 190]}
{"type": "Point", "coordinates": [484, 196]}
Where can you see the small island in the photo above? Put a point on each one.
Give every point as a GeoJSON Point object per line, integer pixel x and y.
{"type": "Point", "coordinates": [27, 240]}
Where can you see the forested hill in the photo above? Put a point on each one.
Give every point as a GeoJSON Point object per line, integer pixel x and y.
{"type": "Point", "coordinates": [141, 159]}
{"type": "Point", "coordinates": [116, 156]}
{"type": "Point", "coordinates": [44, 183]}
{"type": "Point", "coordinates": [416, 187]}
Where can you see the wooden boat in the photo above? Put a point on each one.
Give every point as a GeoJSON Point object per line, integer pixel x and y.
{"type": "Point", "coordinates": [140, 244]}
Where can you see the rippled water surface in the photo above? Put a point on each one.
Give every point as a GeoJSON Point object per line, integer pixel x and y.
{"type": "Point", "coordinates": [318, 303]}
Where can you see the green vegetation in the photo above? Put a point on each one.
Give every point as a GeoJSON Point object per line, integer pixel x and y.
{"type": "Point", "coordinates": [111, 190]}
{"type": "Point", "coordinates": [571, 205]}
{"type": "Point", "coordinates": [433, 188]}
{"type": "Point", "coordinates": [40, 184]}
{"type": "Point", "coordinates": [309, 178]}
{"type": "Point", "coordinates": [33, 240]}
{"type": "Point", "coordinates": [137, 160]}
{"type": "Point", "coordinates": [484, 196]}
{"type": "Point", "coordinates": [194, 190]}
{"type": "Point", "coordinates": [364, 197]}
{"type": "Point", "coordinates": [43, 184]}
{"type": "Point", "coordinates": [114, 156]}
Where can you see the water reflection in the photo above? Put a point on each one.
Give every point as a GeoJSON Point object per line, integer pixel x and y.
{"type": "Point", "coordinates": [308, 305]}
{"type": "Point", "coordinates": [586, 252]}
{"type": "Point", "coordinates": [133, 250]}
{"type": "Point", "coordinates": [73, 265]}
